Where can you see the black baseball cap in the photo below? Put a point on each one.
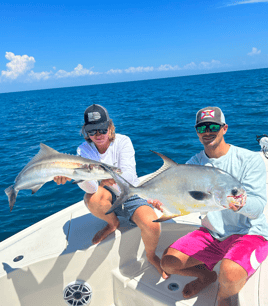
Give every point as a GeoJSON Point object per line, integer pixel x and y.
{"type": "Point", "coordinates": [96, 118]}
{"type": "Point", "coordinates": [210, 114]}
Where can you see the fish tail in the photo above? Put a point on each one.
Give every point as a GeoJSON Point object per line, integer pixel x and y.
{"type": "Point", "coordinates": [11, 192]}
{"type": "Point", "coordinates": [124, 188]}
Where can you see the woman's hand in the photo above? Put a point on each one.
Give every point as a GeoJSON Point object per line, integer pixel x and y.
{"type": "Point", "coordinates": [156, 204]}
{"type": "Point", "coordinates": [61, 180]}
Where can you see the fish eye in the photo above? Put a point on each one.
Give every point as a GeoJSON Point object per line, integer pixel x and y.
{"type": "Point", "coordinates": [234, 191]}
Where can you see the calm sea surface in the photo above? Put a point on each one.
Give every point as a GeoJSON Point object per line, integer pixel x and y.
{"type": "Point", "coordinates": [157, 115]}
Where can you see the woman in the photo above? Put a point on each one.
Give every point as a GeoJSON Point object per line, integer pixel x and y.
{"type": "Point", "coordinates": [102, 144]}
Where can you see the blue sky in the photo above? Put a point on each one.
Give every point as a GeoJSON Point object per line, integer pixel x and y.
{"type": "Point", "coordinates": [62, 43]}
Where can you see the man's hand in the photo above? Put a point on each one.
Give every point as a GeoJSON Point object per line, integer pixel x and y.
{"type": "Point", "coordinates": [236, 203]}
{"type": "Point", "coordinates": [61, 180]}
{"type": "Point", "coordinates": [156, 204]}
{"type": "Point", "coordinates": [107, 182]}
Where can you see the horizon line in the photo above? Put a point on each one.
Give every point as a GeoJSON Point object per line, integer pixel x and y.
{"type": "Point", "coordinates": [150, 79]}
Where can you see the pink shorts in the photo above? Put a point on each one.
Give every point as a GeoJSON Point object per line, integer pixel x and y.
{"type": "Point", "coordinates": [249, 251]}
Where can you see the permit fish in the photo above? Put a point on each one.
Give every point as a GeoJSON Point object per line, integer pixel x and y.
{"type": "Point", "coordinates": [49, 163]}
{"type": "Point", "coordinates": [183, 189]}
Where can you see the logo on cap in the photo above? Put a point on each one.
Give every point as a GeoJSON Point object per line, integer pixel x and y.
{"type": "Point", "coordinates": [208, 114]}
{"type": "Point", "coordinates": [94, 116]}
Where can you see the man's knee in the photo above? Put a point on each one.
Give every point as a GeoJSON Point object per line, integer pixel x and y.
{"type": "Point", "coordinates": [174, 260]}
{"type": "Point", "coordinates": [170, 263]}
{"type": "Point", "coordinates": [231, 273]}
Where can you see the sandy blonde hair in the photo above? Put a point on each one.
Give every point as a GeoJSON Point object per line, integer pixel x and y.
{"type": "Point", "coordinates": [111, 130]}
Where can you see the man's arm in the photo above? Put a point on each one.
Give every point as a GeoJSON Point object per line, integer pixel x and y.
{"type": "Point", "coordinates": [254, 182]}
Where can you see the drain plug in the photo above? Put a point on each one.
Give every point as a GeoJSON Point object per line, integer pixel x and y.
{"type": "Point", "coordinates": [18, 258]}
{"type": "Point", "coordinates": [173, 287]}
{"type": "Point", "coordinates": [77, 293]}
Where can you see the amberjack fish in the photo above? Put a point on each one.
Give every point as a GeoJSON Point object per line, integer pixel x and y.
{"type": "Point", "coordinates": [49, 163]}
{"type": "Point", "coordinates": [183, 189]}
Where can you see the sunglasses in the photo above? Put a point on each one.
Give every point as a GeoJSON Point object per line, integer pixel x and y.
{"type": "Point", "coordinates": [201, 129]}
{"type": "Point", "coordinates": [94, 132]}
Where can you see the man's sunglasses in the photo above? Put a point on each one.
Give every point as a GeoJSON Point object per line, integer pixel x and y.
{"type": "Point", "coordinates": [201, 129]}
{"type": "Point", "coordinates": [94, 132]}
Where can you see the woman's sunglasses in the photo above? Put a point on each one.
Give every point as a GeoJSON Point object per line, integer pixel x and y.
{"type": "Point", "coordinates": [201, 129]}
{"type": "Point", "coordinates": [94, 132]}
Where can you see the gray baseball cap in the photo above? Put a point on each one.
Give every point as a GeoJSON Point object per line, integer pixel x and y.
{"type": "Point", "coordinates": [210, 114]}
{"type": "Point", "coordinates": [96, 118]}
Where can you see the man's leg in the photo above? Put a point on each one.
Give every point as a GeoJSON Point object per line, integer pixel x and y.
{"type": "Point", "coordinates": [99, 203]}
{"type": "Point", "coordinates": [232, 279]}
{"type": "Point", "coordinates": [238, 264]}
{"type": "Point", "coordinates": [150, 233]}
{"type": "Point", "coordinates": [176, 262]}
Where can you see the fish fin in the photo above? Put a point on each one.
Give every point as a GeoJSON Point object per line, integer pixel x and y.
{"type": "Point", "coordinates": [78, 182]}
{"type": "Point", "coordinates": [200, 195]}
{"type": "Point", "coordinates": [119, 201]}
{"type": "Point", "coordinates": [124, 187]}
{"type": "Point", "coordinates": [168, 163]}
{"type": "Point", "coordinates": [43, 152]}
{"type": "Point", "coordinates": [114, 190]}
{"type": "Point", "coordinates": [36, 188]}
{"type": "Point", "coordinates": [165, 217]}
{"type": "Point", "coordinates": [11, 192]}
{"type": "Point", "coordinates": [48, 150]}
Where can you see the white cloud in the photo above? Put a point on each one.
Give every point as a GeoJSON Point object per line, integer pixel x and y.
{"type": "Point", "coordinates": [138, 69]}
{"type": "Point", "coordinates": [168, 67]}
{"type": "Point", "coordinates": [114, 71]}
{"type": "Point", "coordinates": [131, 70]}
{"type": "Point", "coordinates": [23, 66]}
{"type": "Point", "coordinates": [191, 65]}
{"type": "Point", "coordinates": [203, 65]}
{"type": "Point", "coordinates": [254, 51]}
{"type": "Point", "coordinates": [39, 75]}
{"type": "Point", "coordinates": [246, 2]}
{"type": "Point", "coordinates": [18, 65]}
{"type": "Point", "coordinates": [210, 65]}
{"type": "Point", "coordinates": [78, 71]}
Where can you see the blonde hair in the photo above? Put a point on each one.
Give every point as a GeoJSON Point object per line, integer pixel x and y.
{"type": "Point", "coordinates": [111, 132]}
{"type": "Point", "coordinates": [111, 128]}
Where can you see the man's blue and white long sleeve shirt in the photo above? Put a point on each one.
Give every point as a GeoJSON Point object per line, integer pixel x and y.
{"type": "Point", "coordinates": [248, 168]}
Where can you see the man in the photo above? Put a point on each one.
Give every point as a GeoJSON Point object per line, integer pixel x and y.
{"type": "Point", "coordinates": [103, 144]}
{"type": "Point", "coordinates": [237, 236]}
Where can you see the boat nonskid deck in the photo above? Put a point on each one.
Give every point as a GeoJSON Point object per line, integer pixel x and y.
{"type": "Point", "coordinates": [58, 251]}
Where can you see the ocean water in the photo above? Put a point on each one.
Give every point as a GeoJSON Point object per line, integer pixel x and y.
{"type": "Point", "coordinates": [157, 115]}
